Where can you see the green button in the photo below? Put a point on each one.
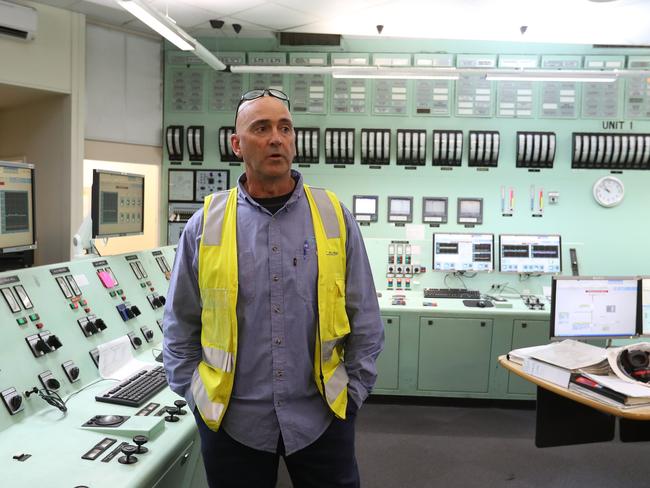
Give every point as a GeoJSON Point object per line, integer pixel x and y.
{"type": "Point", "coordinates": [111, 293]}
{"type": "Point", "coordinates": [73, 305]}
{"type": "Point", "coordinates": [83, 302]}
{"type": "Point", "coordinates": [21, 321]}
{"type": "Point", "coordinates": [142, 285]}
{"type": "Point", "coordinates": [120, 292]}
{"type": "Point", "coordinates": [34, 317]}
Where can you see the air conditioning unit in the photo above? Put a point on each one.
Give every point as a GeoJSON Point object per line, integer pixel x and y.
{"type": "Point", "coordinates": [18, 21]}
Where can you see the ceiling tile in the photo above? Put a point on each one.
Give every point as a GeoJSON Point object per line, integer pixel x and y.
{"type": "Point", "coordinates": [103, 13]}
{"type": "Point", "coordinates": [275, 17]}
{"type": "Point", "coordinates": [59, 3]}
{"type": "Point", "coordinates": [225, 7]}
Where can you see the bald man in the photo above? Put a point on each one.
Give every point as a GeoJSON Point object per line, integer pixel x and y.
{"type": "Point", "coordinates": [272, 326]}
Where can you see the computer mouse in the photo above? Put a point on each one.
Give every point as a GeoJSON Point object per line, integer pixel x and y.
{"type": "Point", "coordinates": [481, 304]}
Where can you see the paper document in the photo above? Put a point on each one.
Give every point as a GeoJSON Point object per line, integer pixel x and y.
{"type": "Point", "coordinates": [633, 390]}
{"type": "Point", "coordinates": [571, 354]}
{"type": "Point", "coordinates": [116, 359]}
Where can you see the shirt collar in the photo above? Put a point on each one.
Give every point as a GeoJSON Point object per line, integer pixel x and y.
{"type": "Point", "coordinates": [297, 192]}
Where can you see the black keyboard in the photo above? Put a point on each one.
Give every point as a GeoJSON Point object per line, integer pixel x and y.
{"type": "Point", "coordinates": [461, 293]}
{"type": "Point", "coordinates": [137, 389]}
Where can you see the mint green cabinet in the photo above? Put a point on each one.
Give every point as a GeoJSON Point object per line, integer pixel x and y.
{"type": "Point", "coordinates": [454, 354]}
{"type": "Point", "coordinates": [388, 360]}
{"type": "Point", "coordinates": [526, 333]}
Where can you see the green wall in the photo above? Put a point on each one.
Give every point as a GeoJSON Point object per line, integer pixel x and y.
{"type": "Point", "coordinates": [609, 241]}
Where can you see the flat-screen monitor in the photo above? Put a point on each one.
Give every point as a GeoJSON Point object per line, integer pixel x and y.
{"type": "Point", "coordinates": [16, 207]}
{"type": "Point", "coordinates": [364, 208]}
{"type": "Point", "coordinates": [400, 209]}
{"type": "Point", "coordinates": [595, 306]}
{"type": "Point", "coordinates": [463, 252]}
{"type": "Point", "coordinates": [645, 305]}
{"type": "Point", "coordinates": [530, 254]}
{"type": "Point", "coordinates": [117, 204]}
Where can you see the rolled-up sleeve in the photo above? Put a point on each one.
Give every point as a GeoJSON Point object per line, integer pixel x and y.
{"type": "Point", "coordinates": [182, 317]}
{"type": "Point", "coordinates": [366, 339]}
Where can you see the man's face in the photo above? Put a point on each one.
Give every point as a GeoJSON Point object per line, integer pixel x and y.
{"type": "Point", "coordinates": [265, 138]}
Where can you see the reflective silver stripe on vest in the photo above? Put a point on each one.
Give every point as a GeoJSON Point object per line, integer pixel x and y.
{"type": "Point", "coordinates": [335, 385]}
{"type": "Point", "coordinates": [218, 358]}
{"type": "Point", "coordinates": [327, 348]}
{"type": "Point", "coordinates": [214, 219]}
{"type": "Point", "coordinates": [327, 212]}
{"type": "Point", "coordinates": [208, 409]}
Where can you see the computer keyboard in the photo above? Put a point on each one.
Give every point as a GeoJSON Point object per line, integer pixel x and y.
{"type": "Point", "coordinates": [137, 389]}
{"type": "Point", "coordinates": [461, 293]}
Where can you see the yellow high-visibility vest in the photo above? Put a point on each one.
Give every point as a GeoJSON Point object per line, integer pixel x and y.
{"type": "Point", "coordinates": [213, 379]}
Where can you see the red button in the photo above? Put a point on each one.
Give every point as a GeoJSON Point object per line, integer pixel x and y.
{"type": "Point", "coordinates": [39, 325]}
{"type": "Point", "coordinates": [87, 309]}
{"type": "Point", "coordinates": [123, 298]}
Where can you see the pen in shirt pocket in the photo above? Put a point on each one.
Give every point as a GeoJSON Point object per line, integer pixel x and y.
{"type": "Point", "coordinates": [305, 249]}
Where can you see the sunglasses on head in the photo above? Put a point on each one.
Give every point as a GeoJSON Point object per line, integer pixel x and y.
{"type": "Point", "coordinates": [254, 94]}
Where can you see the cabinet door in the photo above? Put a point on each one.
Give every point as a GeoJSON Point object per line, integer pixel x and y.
{"type": "Point", "coordinates": [388, 360]}
{"type": "Point", "coordinates": [177, 471]}
{"type": "Point", "coordinates": [454, 354]}
{"type": "Point", "coordinates": [526, 333]}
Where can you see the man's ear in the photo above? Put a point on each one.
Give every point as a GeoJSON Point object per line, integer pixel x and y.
{"type": "Point", "coordinates": [236, 148]}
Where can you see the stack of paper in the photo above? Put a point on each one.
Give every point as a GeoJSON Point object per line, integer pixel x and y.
{"type": "Point", "coordinates": [611, 390]}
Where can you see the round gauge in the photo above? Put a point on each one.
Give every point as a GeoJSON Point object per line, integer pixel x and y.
{"type": "Point", "coordinates": [609, 191]}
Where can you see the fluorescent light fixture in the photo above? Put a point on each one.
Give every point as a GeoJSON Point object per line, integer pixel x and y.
{"type": "Point", "coordinates": [553, 75]}
{"type": "Point", "coordinates": [288, 70]}
{"type": "Point", "coordinates": [377, 72]}
{"type": "Point", "coordinates": [168, 29]}
{"type": "Point", "coordinates": [161, 24]}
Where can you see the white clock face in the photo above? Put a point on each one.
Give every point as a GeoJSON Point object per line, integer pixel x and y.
{"type": "Point", "coordinates": [609, 191]}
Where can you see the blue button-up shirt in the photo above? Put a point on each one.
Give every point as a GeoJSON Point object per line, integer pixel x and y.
{"type": "Point", "coordinates": [274, 390]}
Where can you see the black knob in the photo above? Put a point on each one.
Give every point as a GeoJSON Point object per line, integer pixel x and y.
{"type": "Point", "coordinates": [100, 324]}
{"type": "Point", "coordinates": [137, 341]}
{"type": "Point", "coordinates": [157, 303]}
{"type": "Point", "coordinates": [54, 342]}
{"type": "Point", "coordinates": [129, 313]}
{"type": "Point", "coordinates": [128, 457]}
{"type": "Point", "coordinates": [148, 334]}
{"type": "Point", "coordinates": [179, 405]}
{"type": "Point", "coordinates": [74, 372]}
{"type": "Point", "coordinates": [135, 310]}
{"type": "Point", "coordinates": [15, 402]}
{"type": "Point", "coordinates": [172, 411]}
{"type": "Point", "coordinates": [41, 346]}
{"type": "Point", "coordinates": [162, 299]}
{"type": "Point", "coordinates": [52, 384]}
{"type": "Point", "coordinates": [139, 440]}
{"type": "Point", "coordinates": [90, 328]}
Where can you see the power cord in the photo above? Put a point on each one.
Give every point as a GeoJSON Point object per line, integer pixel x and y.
{"type": "Point", "coordinates": [51, 397]}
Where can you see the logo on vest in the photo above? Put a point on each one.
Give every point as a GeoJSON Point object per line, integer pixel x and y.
{"type": "Point", "coordinates": [332, 253]}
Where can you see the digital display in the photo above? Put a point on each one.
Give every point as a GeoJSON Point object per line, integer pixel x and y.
{"type": "Point", "coordinates": [594, 307]}
{"type": "Point", "coordinates": [117, 204]}
{"type": "Point", "coordinates": [534, 254]}
{"type": "Point", "coordinates": [463, 252]}
{"type": "Point", "coordinates": [364, 208]}
{"type": "Point", "coordinates": [434, 210]}
{"type": "Point", "coordinates": [16, 207]}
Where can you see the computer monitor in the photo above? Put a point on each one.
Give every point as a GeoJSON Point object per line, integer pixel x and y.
{"type": "Point", "coordinates": [364, 208]}
{"type": "Point", "coordinates": [117, 207]}
{"type": "Point", "coordinates": [16, 207]}
{"type": "Point", "coordinates": [645, 305]}
{"type": "Point", "coordinates": [595, 306]}
{"type": "Point", "coordinates": [400, 209]}
{"type": "Point", "coordinates": [463, 252]}
{"type": "Point", "coordinates": [530, 254]}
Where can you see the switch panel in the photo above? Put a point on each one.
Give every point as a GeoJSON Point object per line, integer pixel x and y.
{"type": "Point", "coordinates": [307, 145]}
{"type": "Point", "coordinates": [71, 370]}
{"type": "Point", "coordinates": [147, 333]}
{"type": "Point", "coordinates": [210, 181]}
{"type": "Point", "coordinates": [136, 342]}
{"type": "Point", "coordinates": [483, 149]}
{"type": "Point", "coordinates": [94, 355]}
{"type": "Point", "coordinates": [535, 149]}
{"type": "Point", "coordinates": [611, 151]}
{"type": "Point", "coordinates": [174, 142]}
{"type": "Point", "coordinates": [447, 148]}
{"type": "Point", "coordinates": [195, 142]}
{"type": "Point", "coordinates": [339, 146]}
{"type": "Point", "coordinates": [48, 381]}
{"type": "Point", "coordinates": [225, 148]}
{"type": "Point", "coordinates": [12, 400]}
{"type": "Point", "coordinates": [411, 147]}
{"type": "Point", "coordinates": [375, 146]}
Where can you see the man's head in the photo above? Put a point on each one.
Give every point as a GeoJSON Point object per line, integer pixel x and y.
{"type": "Point", "coordinates": [264, 136]}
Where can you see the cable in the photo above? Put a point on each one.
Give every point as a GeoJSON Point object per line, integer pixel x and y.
{"type": "Point", "coordinates": [51, 397]}
{"type": "Point", "coordinates": [87, 386]}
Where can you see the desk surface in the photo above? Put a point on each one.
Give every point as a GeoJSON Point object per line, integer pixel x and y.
{"type": "Point", "coordinates": [633, 413]}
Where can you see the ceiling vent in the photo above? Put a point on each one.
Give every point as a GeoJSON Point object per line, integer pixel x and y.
{"type": "Point", "coordinates": [18, 21]}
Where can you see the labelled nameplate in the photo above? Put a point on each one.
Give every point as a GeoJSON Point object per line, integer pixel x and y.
{"type": "Point", "coordinates": [157, 253]}
{"type": "Point", "coordinates": [9, 279]}
{"type": "Point", "coordinates": [131, 257]}
{"type": "Point", "coordinates": [58, 271]}
{"type": "Point", "coordinates": [103, 262]}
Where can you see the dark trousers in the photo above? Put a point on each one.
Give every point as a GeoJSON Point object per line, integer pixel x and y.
{"type": "Point", "coordinates": [329, 462]}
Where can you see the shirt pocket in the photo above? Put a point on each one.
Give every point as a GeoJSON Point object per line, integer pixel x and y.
{"type": "Point", "coordinates": [306, 268]}
{"type": "Point", "coordinates": [246, 265]}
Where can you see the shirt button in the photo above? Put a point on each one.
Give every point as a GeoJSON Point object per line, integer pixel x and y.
{"type": "Point", "coordinates": [279, 374]}
{"type": "Point", "coordinates": [276, 308]}
{"type": "Point", "coordinates": [278, 340]}
{"type": "Point", "coordinates": [276, 277]}
{"type": "Point", "coordinates": [274, 249]}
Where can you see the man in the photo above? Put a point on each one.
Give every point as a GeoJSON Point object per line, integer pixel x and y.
{"type": "Point", "coordinates": [272, 326]}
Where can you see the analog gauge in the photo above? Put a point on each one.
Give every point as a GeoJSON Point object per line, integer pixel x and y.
{"type": "Point", "coordinates": [609, 191]}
